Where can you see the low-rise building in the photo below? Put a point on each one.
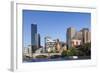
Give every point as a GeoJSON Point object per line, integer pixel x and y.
{"type": "Point", "coordinates": [49, 44]}
{"type": "Point", "coordinates": [75, 42]}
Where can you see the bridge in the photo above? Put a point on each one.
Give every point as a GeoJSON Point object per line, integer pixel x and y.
{"type": "Point", "coordinates": [45, 54]}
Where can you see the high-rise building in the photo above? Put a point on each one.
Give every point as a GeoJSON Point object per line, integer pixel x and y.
{"type": "Point", "coordinates": [75, 38]}
{"type": "Point", "coordinates": [78, 35]}
{"type": "Point", "coordinates": [33, 36]}
{"type": "Point", "coordinates": [71, 32]}
{"type": "Point", "coordinates": [89, 36]}
{"type": "Point", "coordinates": [86, 35]}
{"type": "Point", "coordinates": [37, 39]}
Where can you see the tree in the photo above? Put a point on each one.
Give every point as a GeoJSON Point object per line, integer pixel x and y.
{"type": "Point", "coordinates": [85, 49]}
{"type": "Point", "coordinates": [64, 53]}
{"type": "Point", "coordinates": [72, 52]}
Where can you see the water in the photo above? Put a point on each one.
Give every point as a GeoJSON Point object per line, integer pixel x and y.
{"type": "Point", "coordinates": [58, 59]}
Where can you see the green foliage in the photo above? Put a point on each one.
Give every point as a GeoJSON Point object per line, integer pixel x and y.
{"type": "Point", "coordinates": [85, 49]}
{"type": "Point", "coordinates": [82, 50]}
{"type": "Point", "coordinates": [51, 51]}
{"type": "Point", "coordinates": [41, 56]}
{"type": "Point", "coordinates": [72, 52]}
{"type": "Point", "coordinates": [64, 53]}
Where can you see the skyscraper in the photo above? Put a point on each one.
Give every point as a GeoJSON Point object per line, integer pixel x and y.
{"type": "Point", "coordinates": [70, 35]}
{"type": "Point", "coordinates": [37, 39]}
{"type": "Point", "coordinates": [89, 36]}
{"type": "Point", "coordinates": [86, 35]}
{"type": "Point", "coordinates": [33, 38]}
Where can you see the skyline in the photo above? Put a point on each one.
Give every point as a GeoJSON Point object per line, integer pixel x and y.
{"type": "Point", "coordinates": [48, 21]}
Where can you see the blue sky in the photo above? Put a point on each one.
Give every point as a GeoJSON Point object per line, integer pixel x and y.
{"type": "Point", "coordinates": [53, 24]}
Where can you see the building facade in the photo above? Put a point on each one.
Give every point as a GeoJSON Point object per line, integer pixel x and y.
{"type": "Point", "coordinates": [75, 42]}
{"type": "Point", "coordinates": [86, 35]}
{"type": "Point", "coordinates": [75, 38]}
{"type": "Point", "coordinates": [33, 34]}
{"type": "Point", "coordinates": [70, 35]}
{"type": "Point", "coordinates": [54, 45]}
{"type": "Point", "coordinates": [27, 51]}
{"type": "Point", "coordinates": [49, 44]}
{"type": "Point", "coordinates": [58, 45]}
{"type": "Point", "coordinates": [35, 38]}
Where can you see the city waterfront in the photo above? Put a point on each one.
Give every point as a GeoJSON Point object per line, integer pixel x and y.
{"type": "Point", "coordinates": [47, 38]}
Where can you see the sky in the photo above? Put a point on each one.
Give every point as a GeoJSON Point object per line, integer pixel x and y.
{"type": "Point", "coordinates": [53, 24]}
